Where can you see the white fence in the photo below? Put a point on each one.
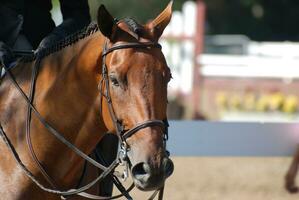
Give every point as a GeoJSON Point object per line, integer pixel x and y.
{"type": "Point", "coordinates": [263, 60]}
{"type": "Point", "coordinates": [248, 66]}
{"type": "Point", "coordinates": [179, 47]}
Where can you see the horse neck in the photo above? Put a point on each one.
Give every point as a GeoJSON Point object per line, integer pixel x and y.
{"type": "Point", "coordinates": [67, 95]}
{"type": "Point", "coordinates": [69, 78]}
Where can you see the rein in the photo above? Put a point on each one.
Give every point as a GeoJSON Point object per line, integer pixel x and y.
{"type": "Point", "coordinates": [120, 131]}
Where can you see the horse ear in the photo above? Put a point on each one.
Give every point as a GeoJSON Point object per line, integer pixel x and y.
{"type": "Point", "coordinates": [106, 22]}
{"type": "Point", "coordinates": [158, 25]}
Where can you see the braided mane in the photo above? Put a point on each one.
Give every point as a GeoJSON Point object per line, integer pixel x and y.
{"type": "Point", "coordinates": [77, 36]}
{"type": "Point", "coordinates": [67, 41]}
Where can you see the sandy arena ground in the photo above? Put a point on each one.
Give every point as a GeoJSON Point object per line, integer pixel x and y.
{"type": "Point", "coordinates": [246, 178]}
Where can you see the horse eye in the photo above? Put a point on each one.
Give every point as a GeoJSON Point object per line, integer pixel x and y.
{"type": "Point", "coordinates": [114, 80]}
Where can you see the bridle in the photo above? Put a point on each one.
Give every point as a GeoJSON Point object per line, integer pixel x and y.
{"type": "Point", "coordinates": [122, 134]}
{"type": "Point", "coordinates": [120, 130]}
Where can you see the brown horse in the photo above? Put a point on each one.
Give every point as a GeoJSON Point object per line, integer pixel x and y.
{"type": "Point", "coordinates": [73, 95]}
{"type": "Point", "coordinates": [292, 173]}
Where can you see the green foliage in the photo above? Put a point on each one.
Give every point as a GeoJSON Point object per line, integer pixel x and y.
{"type": "Point", "coordinates": [141, 10]}
{"type": "Point", "coordinates": [55, 3]}
{"type": "Point", "coordinates": [258, 19]}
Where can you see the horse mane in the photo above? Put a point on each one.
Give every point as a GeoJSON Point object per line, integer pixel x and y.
{"type": "Point", "coordinates": [67, 41]}
{"type": "Point", "coordinates": [75, 37]}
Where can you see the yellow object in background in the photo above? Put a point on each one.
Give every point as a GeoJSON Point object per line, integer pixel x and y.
{"type": "Point", "coordinates": [221, 100]}
{"type": "Point", "coordinates": [290, 104]}
{"type": "Point", "coordinates": [235, 102]}
{"type": "Point", "coordinates": [249, 101]}
{"type": "Point", "coordinates": [276, 101]}
{"type": "Point", "coordinates": [262, 103]}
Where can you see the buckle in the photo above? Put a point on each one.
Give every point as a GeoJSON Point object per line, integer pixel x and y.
{"type": "Point", "coordinates": [123, 157]}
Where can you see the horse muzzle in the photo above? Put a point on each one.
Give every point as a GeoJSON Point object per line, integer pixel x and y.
{"type": "Point", "coordinates": [147, 177]}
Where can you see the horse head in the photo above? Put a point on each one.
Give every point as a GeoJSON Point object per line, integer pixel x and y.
{"type": "Point", "coordinates": [134, 81]}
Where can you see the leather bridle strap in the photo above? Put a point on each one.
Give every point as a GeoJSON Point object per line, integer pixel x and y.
{"type": "Point", "coordinates": [50, 128]}
{"type": "Point", "coordinates": [119, 129]}
{"type": "Point", "coordinates": [143, 125]}
{"type": "Point", "coordinates": [32, 177]}
{"type": "Point", "coordinates": [133, 45]}
{"type": "Point", "coordinates": [114, 178]}
{"type": "Point", "coordinates": [29, 101]}
{"type": "Point", "coordinates": [34, 74]}
{"type": "Point", "coordinates": [106, 170]}
{"type": "Point", "coordinates": [121, 133]}
{"type": "Point", "coordinates": [117, 124]}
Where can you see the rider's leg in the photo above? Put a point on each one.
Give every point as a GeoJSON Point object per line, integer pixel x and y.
{"type": "Point", "coordinates": [107, 149]}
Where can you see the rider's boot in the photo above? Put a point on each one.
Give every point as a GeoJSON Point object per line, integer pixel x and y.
{"type": "Point", "coordinates": [106, 151]}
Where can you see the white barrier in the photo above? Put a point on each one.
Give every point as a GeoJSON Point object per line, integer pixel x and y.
{"type": "Point", "coordinates": [202, 138]}
{"type": "Point", "coordinates": [248, 66]}
{"type": "Point", "coordinates": [178, 47]}
{"type": "Point", "coordinates": [263, 60]}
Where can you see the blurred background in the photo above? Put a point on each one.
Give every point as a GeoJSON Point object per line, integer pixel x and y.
{"type": "Point", "coordinates": [231, 60]}
{"type": "Point", "coordinates": [235, 62]}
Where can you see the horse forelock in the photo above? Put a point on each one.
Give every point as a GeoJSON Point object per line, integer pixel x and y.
{"type": "Point", "coordinates": [133, 26]}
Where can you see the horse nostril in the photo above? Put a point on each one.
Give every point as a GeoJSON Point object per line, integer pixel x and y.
{"type": "Point", "coordinates": [168, 167]}
{"type": "Point", "coordinates": [141, 169]}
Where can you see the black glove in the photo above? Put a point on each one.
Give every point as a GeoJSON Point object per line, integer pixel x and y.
{"type": "Point", "coordinates": [6, 54]}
